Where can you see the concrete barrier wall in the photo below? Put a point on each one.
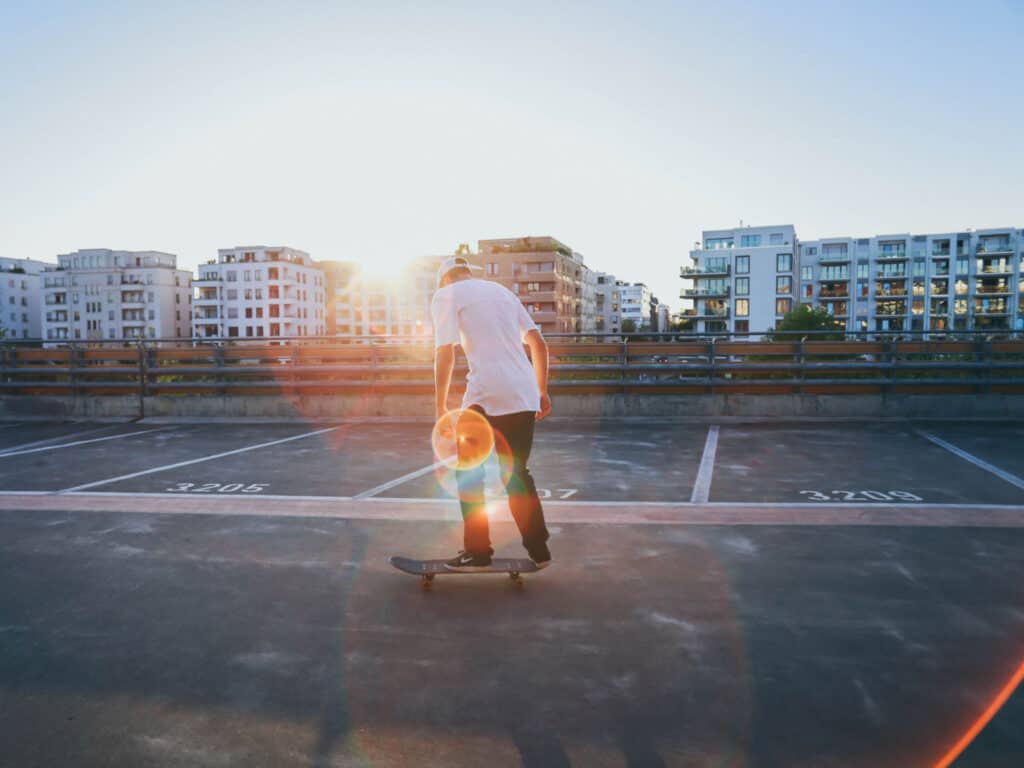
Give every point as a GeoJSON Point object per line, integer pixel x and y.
{"type": "Point", "coordinates": [421, 407]}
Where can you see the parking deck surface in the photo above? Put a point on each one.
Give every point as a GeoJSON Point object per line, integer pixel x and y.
{"type": "Point", "coordinates": [789, 628]}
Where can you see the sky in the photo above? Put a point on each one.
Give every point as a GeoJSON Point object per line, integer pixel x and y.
{"type": "Point", "coordinates": [382, 131]}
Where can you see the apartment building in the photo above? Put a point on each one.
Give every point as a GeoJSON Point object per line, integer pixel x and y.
{"type": "Point", "coordinates": [362, 303]}
{"type": "Point", "coordinates": [20, 288]}
{"type": "Point", "coordinates": [546, 274]}
{"type": "Point", "coordinates": [635, 305]}
{"type": "Point", "coordinates": [741, 280]}
{"type": "Point", "coordinates": [948, 281]}
{"type": "Point", "coordinates": [102, 294]}
{"type": "Point", "coordinates": [608, 318]}
{"type": "Point", "coordinates": [257, 291]}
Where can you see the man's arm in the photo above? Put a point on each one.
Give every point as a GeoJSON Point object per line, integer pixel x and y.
{"type": "Point", "coordinates": [539, 357]}
{"type": "Point", "coordinates": [444, 364]}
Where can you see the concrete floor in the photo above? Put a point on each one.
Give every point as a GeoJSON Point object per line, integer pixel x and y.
{"type": "Point", "coordinates": [263, 629]}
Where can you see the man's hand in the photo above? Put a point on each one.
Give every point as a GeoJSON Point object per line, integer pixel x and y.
{"type": "Point", "coordinates": [545, 406]}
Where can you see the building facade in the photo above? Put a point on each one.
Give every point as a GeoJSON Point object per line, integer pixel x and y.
{"type": "Point", "coordinates": [950, 281]}
{"type": "Point", "coordinates": [546, 274]}
{"type": "Point", "coordinates": [607, 296]}
{"type": "Point", "coordinates": [741, 280]}
{"type": "Point", "coordinates": [258, 291]}
{"type": "Point", "coordinates": [635, 305]}
{"type": "Point", "coordinates": [101, 294]}
{"type": "Point", "coordinates": [20, 293]}
{"type": "Point", "coordinates": [745, 279]}
{"type": "Point", "coordinates": [364, 304]}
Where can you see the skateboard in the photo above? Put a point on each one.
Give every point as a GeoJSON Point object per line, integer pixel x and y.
{"type": "Point", "coordinates": [428, 569]}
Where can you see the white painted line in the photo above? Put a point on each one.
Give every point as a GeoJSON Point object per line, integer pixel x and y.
{"type": "Point", "coordinates": [702, 485]}
{"type": "Point", "coordinates": [58, 438]}
{"type": "Point", "coordinates": [398, 481]}
{"type": "Point", "coordinates": [197, 461]}
{"type": "Point", "coordinates": [163, 495]}
{"type": "Point", "coordinates": [80, 442]}
{"type": "Point", "coordinates": [1000, 473]}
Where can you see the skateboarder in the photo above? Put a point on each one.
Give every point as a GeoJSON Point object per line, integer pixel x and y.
{"type": "Point", "coordinates": [492, 326]}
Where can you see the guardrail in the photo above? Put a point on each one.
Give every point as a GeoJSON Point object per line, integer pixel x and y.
{"type": "Point", "coordinates": [650, 363]}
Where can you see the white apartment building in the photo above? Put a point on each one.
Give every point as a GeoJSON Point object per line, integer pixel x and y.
{"type": "Point", "coordinates": [635, 305]}
{"type": "Point", "coordinates": [588, 296]}
{"type": "Point", "coordinates": [741, 280]}
{"type": "Point", "coordinates": [101, 294]}
{"type": "Point", "coordinates": [607, 317]}
{"type": "Point", "coordinates": [20, 286]}
{"type": "Point", "coordinates": [745, 279]}
{"type": "Point", "coordinates": [364, 304]}
{"type": "Point", "coordinates": [256, 291]}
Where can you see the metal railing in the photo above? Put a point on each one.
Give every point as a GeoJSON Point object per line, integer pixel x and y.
{"type": "Point", "coordinates": [824, 362]}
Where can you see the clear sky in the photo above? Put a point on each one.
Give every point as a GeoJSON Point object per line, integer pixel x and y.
{"type": "Point", "coordinates": [384, 130]}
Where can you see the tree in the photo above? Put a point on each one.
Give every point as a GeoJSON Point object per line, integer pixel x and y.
{"type": "Point", "coordinates": [629, 325]}
{"type": "Point", "coordinates": [805, 318]}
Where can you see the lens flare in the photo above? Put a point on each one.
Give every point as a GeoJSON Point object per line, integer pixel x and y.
{"type": "Point", "coordinates": [462, 439]}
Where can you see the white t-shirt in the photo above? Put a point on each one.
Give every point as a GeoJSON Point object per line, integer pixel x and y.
{"type": "Point", "coordinates": [490, 323]}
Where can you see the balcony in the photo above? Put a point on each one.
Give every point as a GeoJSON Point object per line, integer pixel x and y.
{"type": "Point", "coordinates": [706, 271]}
{"type": "Point", "coordinates": [712, 314]}
{"type": "Point", "coordinates": [833, 294]}
{"type": "Point", "coordinates": [995, 269]}
{"type": "Point", "coordinates": [834, 258]}
{"type": "Point", "coordinates": [883, 275]}
{"type": "Point", "coordinates": [698, 293]}
{"type": "Point", "coordinates": [993, 290]}
{"type": "Point", "coordinates": [996, 246]}
{"type": "Point", "coordinates": [543, 296]}
{"type": "Point", "coordinates": [544, 317]}
{"type": "Point", "coordinates": [208, 279]}
{"type": "Point", "coordinates": [892, 256]}
{"type": "Point", "coordinates": [992, 311]}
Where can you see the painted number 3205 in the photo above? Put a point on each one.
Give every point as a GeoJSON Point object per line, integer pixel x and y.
{"type": "Point", "coordinates": [218, 488]}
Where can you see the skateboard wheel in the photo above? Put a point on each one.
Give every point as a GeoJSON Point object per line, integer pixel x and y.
{"type": "Point", "coordinates": [514, 575]}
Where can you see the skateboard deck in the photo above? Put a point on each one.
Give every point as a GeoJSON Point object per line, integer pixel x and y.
{"type": "Point", "coordinates": [428, 569]}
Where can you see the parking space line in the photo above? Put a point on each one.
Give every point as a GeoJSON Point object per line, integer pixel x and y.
{"type": "Point", "coordinates": [980, 463]}
{"type": "Point", "coordinates": [197, 461]}
{"type": "Point", "coordinates": [80, 442]}
{"type": "Point", "coordinates": [49, 440]}
{"type": "Point", "coordinates": [702, 485]}
{"type": "Point", "coordinates": [398, 481]}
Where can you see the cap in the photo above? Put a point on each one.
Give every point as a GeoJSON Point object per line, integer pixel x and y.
{"type": "Point", "coordinates": [453, 262]}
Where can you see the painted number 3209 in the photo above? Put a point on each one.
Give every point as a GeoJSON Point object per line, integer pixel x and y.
{"type": "Point", "coordinates": [861, 496]}
{"type": "Point", "coordinates": [218, 488]}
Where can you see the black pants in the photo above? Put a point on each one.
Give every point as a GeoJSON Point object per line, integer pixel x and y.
{"type": "Point", "coordinates": [516, 431]}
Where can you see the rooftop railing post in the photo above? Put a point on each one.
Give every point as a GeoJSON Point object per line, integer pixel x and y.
{"type": "Point", "coordinates": [624, 364]}
{"type": "Point", "coordinates": [983, 355]}
{"type": "Point", "coordinates": [711, 366]}
{"type": "Point", "coordinates": [142, 377]}
{"type": "Point", "coordinates": [218, 361]}
{"type": "Point", "coordinates": [73, 361]}
{"type": "Point", "coordinates": [801, 360]}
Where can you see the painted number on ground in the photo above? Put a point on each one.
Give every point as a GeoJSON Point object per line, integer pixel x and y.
{"type": "Point", "coordinates": [218, 488]}
{"type": "Point", "coordinates": [861, 496]}
{"type": "Point", "coordinates": [546, 493]}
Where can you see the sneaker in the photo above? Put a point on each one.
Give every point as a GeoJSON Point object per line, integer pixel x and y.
{"type": "Point", "coordinates": [464, 562]}
{"type": "Point", "coordinates": [541, 556]}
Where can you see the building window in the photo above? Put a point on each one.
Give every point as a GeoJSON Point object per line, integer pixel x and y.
{"type": "Point", "coordinates": [492, 268]}
{"type": "Point", "coordinates": [775, 238]}
{"type": "Point", "coordinates": [232, 330]}
{"type": "Point", "coordinates": [863, 271]}
{"type": "Point", "coordinates": [783, 306]}
{"type": "Point", "coordinates": [742, 265]}
{"type": "Point", "coordinates": [742, 286]}
{"type": "Point", "coordinates": [742, 307]}
{"type": "Point", "coordinates": [784, 262]}
{"type": "Point", "coordinates": [783, 285]}
{"type": "Point", "coordinates": [806, 273]}
{"type": "Point", "coordinates": [742, 326]}
{"type": "Point", "coordinates": [750, 241]}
